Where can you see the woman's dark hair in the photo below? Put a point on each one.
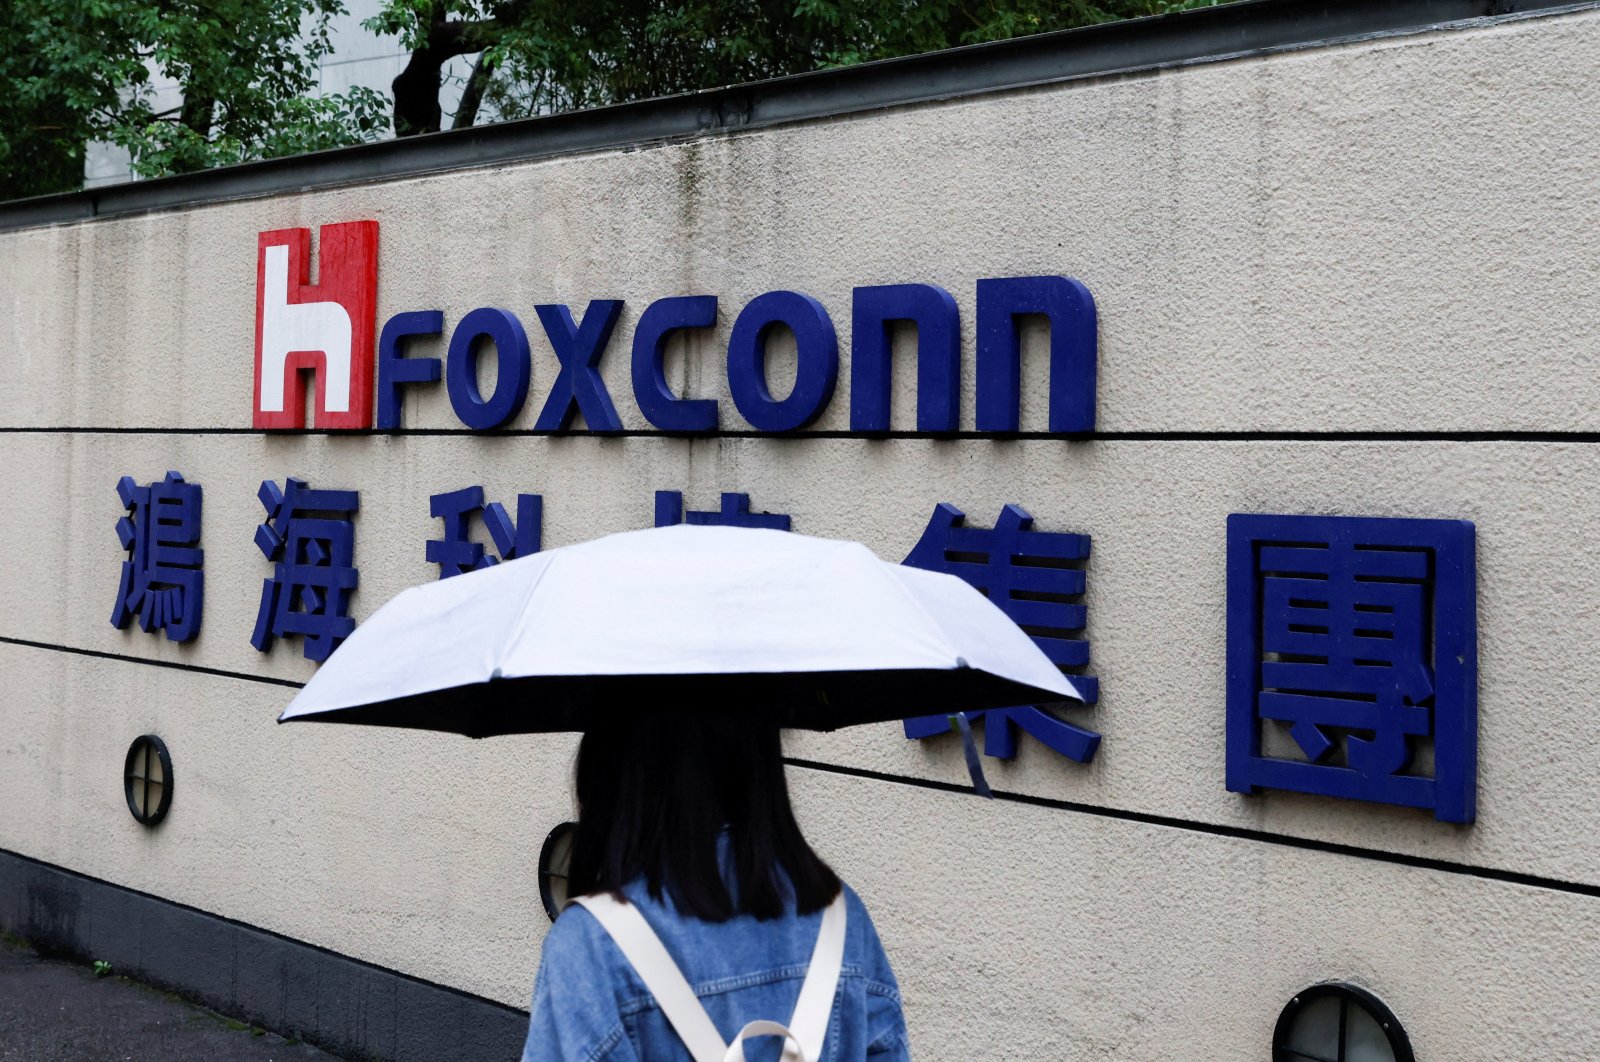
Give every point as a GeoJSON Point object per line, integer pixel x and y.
{"type": "Point", "coordinates": [654, 794]}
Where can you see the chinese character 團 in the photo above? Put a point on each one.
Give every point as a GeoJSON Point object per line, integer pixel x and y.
{"type": "Point", "coordinates": [455, 552]}
{"type": "Point", "coordinates": [162, 581]}
{"type": "Point", "coordinates": [735, 512]}
{"type": "Point", "coordinates": [1036, 578]}
{"type": "Point", "coordinates": [1352, 647]}
{"type": "Point", "coordinates": [309, 536]}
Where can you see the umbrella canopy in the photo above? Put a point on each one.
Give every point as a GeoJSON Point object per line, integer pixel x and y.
{"type": "Point", "coordinates": [818, 632]}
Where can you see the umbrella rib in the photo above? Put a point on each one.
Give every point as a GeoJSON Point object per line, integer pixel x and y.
{"type": "Point", "coordinates": [522, 614]}
{"type": "Point", "coordinates": [1077, 693]}
{"type": "Point", "coordinates": [949, 646]}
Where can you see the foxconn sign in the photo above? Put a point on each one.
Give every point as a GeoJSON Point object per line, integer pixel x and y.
{"type": "Point", "coordinates": [325, 336]}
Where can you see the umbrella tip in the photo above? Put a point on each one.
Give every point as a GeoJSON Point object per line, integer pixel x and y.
{"type": "Point", "coordinates": [496, 675]}
{"type": "Point", "coordinates": [961, 663]}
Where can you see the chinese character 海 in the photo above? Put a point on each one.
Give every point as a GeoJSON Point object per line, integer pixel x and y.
{"type": "Point", "coordinates": [1037, 579]}
{"type": "Point", "coordinates": [1351, 649]}
{"type": "Point", "coordinates": [311, 538]}
{"type": "Point", "coordinates": [161, 579]}
{"type": "Point", "coordinates": [455, 552]}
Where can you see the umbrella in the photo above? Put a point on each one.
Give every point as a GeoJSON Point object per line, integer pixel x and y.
{"type": "Point", "coordinates": [818, 632]}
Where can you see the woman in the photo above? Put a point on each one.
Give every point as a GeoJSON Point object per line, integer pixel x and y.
{"type": "Point", "coordinates": [687, 821]}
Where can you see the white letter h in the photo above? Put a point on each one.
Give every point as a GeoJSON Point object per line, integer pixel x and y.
{"type": "Point", "coordinates": [320, 327]}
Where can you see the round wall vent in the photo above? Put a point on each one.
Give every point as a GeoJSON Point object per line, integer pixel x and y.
{"type": "Point", "coordinates": [555, 856]}
{"type": "Point", "coordinates": [147, 779]}
{"type": "Point", "coordinates": [1338, 1022]}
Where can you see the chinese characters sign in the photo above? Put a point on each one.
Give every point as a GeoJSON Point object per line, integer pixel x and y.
{"type": "Point", "coordinates": [1351, 642]}
{"type": "Point", "coordinates": [1036, 578]}
{"type": "Point", "coordinates": [1352, 653]}
{"type": "Point", "coordinates": [162, 582]}
{"type": "Point", "coordinates": [456, 552]}
{"type": "Point", "coordinates": [734, 512]}
{"type": "Point", "coordinates": [310, 536]}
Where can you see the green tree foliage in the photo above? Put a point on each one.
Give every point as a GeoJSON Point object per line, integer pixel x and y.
{"type": "Point", "coordinates": [79, 70]}
{"type": "Point", "coordinates": [544, 56]}
{"type": "Point", "coordinates": [73, 71]}
{"type": "Point", "coordinates": [41, 135]}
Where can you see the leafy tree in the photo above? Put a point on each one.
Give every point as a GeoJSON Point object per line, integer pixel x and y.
{"type": "Point", "coordinates": [41, 133]}
{"type": "Point", "coordinates": [544, 56]}
{"type": "Point", "coordinates": [73, 71]}
{"type": "Point", "coordinates": [81, 70]}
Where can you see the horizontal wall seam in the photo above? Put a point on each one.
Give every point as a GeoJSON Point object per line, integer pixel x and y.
{"type": "Point", "coordinates": [1586, 437]}
{"type": "Point", "coordinates": [1144, 818]}
{"type": "Point", "coordinates": [174, 665]}
{"type": "Point", "coordinates": [167, 900]}
{"type": "Point", "coordinates": [1122, 814]}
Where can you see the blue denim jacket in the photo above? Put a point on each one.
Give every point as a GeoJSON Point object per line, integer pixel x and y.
{"type": "Point", "coordinates": [589, 1005]}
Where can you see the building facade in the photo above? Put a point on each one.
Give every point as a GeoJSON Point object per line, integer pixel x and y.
{"type": "Point", "coordinates": [1337, 266]}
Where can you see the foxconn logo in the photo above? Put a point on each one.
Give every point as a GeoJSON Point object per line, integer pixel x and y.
{"type": "Point", "coordinates": [321, 331]}
{"type": "Point", "coordinates": [322, 334]}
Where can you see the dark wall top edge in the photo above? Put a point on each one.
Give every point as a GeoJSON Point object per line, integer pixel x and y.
{"type": "Point", "coordinates": [1241, 29]}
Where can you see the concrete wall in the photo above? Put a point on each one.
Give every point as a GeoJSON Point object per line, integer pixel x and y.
{"type": "Point", "coordinates": [1367, 267]}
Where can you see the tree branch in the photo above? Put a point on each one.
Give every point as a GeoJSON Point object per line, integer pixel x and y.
{"type": "Point", "coordinates": [416, 89]}
{"type": "Point", "coordinates": [472, 95]}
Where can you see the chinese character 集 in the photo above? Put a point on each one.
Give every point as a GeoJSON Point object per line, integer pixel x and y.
{"type": "Point", "coordinates": [1037, 579]}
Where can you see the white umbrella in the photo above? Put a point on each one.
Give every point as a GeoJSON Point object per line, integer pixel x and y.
{"type": "Point", "coordinates": [819, 632]}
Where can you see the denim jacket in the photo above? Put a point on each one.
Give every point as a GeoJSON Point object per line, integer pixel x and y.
{"type": "Point", "coordinates": [590, 1006]}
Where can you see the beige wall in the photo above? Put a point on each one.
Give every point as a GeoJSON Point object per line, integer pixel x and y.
{"type": "Point", "coordinates": [1389, 236]}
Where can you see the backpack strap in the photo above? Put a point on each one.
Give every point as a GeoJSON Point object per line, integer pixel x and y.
{"type": "Point", "coordinates": [815, 1006]}
{"type": "Point", "coordinates": [642, 948]}
{"type": "Point", "coordinates": [807, 1029]}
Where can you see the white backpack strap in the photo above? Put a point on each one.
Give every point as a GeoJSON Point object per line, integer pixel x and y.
{"type": "Point", "coordinates": [815, 1007]}
{"type": "Point", "coordinates": [641, 947]}
{"type": "Point", "coordinates": [792, 1051]}
{"type": "Point", "coordinates": [808, 1029]}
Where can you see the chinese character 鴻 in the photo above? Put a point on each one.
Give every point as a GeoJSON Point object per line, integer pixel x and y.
{"type": "Point", "coordinates": [162, 582]}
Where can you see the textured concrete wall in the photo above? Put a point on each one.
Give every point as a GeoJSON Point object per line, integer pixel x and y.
{"type": "Point", "coordinates": [1387, 243]}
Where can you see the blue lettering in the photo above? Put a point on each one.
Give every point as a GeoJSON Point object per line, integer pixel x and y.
{"type": "Point", "coordinates": [656, 401]}
{"type": "Point", "coordinates": [502, 329]}
{"type": "Point", "coordinates": [395, 369]}
{"type": "Point", "coordinates": [815, 375]}
{"type": "Point", "coordinates": [579, 387]}
{"type": "Point", "coordinates": [1070, 309]}
{"type": "Point", "coordinates": [933, 310]}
